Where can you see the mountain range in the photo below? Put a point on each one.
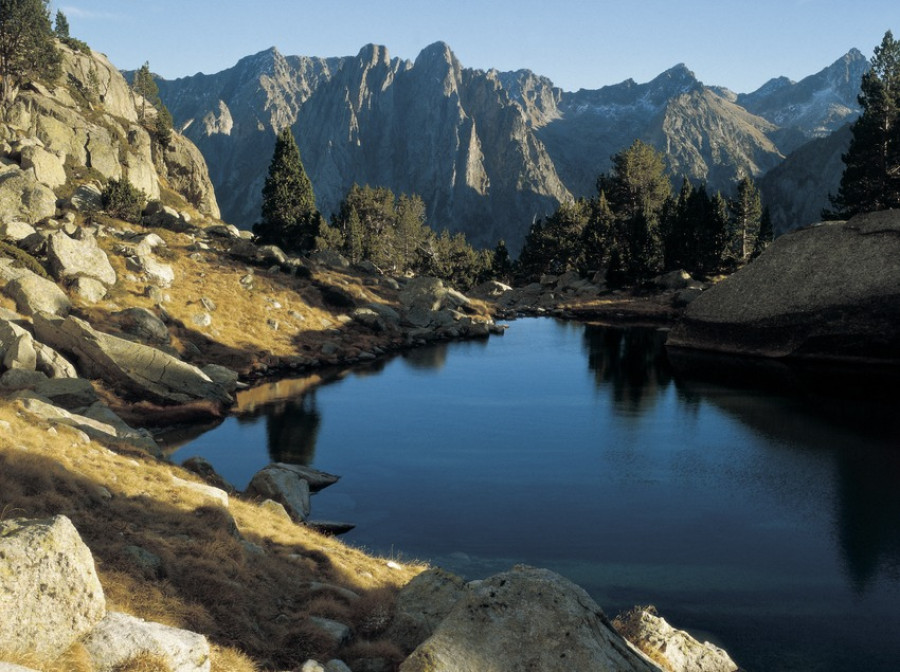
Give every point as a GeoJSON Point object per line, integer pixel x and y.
{"type": "Point", "coordinates": [490, 151]}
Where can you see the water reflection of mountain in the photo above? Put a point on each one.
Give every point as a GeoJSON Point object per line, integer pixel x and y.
{"type": "Point", "coordinates": [632, 362]}
{"type": "Point", "coordinates": [845, 415]}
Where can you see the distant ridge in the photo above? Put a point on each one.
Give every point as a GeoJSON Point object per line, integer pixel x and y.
{"type": "Point", "coordinates": [488, 151]}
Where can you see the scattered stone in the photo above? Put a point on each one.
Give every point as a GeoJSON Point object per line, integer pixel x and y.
{"type": "Point", "coordinates": [673, 650]}
{"type": "Point", "coordinates": [144, 324]}
{"type": "Point", "coordinates": [49, 591]}
{"type": "Point", "coordinates": [21, 379]}
{"type": "Point", "coordinates": [202, 319]}
{"type": "Point", "coordinates": [338, 632]}
{"type": "Point", "coordinates": [68, 393]}
{"type": "Point", "coordinates": [208, 304]}
{"type": "Point", "coordinates": [48, 169]}
{"type": "Point", "coordinates": [219, 496]}
{"type": "Point", "coordinates": [150, 563]}
{"type": "Point", "coordinates": [330, 259]}
{"type": "Point", "coordinates": [160, 274]}
{"type": "Point", "coordinates": [330, 527]}
{"type": "Point", "coordinates": [275, 507]}
{"type": "Point", "coordinates": [87, 198]}
{"type": "Point", "coordinates": [222, 375]}
{"type": "Point", "coordinates": [162, 216]}
{"type": "Point", "coordinates": [673, 280]}
{"type": "Point", "coordinates": [23, 197]}
{"type": "Point", "coordinates": [202, 467]}
{"type": "Point", "coordinates": [88, 289]}
{"type": "Point", "coordinates": [120, 637]}
{"type": "Point", "coordinates": [16, 230]}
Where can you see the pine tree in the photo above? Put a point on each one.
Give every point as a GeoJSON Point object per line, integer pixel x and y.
{"type": "Point", "coordinates": [637, 189]}
{"type": "Point", "coordinates": [766, 232]}
{"type": "Point", "coordinates": [871, 179]}
{"type": "Point", "coordinates": [746, 211]}
{"type": "Point", "coordinates": [61, 25]}
{"type": "Point", "coordinates": [289, 216]}
{"type": "Point", "coordinates": [145, 86]}
{"type": "Point", "coordinates": [27, 50]}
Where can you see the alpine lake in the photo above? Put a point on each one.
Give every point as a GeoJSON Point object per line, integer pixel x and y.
{"type": "Point", "coordinates": [755, 504]}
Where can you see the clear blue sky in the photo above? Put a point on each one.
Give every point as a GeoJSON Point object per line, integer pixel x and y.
{"type": "Point", "coordinates": [576, 43]}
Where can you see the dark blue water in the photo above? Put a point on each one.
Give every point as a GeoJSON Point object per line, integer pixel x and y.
{"type": "Point", "coordinates": [758, 508]}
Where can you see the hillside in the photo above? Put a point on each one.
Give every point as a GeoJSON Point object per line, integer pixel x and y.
{"type": "Point", "coordinates": [488, 151]}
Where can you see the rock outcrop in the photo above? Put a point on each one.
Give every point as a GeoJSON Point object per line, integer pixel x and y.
{"type": "Point", "coordinates": [525, 619]}
{"type": "Point", "coordinates": [50, 595]}
{"type": "Point", "coordinates": [831, 291]}
{"type": "Point", "coordinates": [140, 369]}
{"type": "Point", "coordinates": [90, 119]}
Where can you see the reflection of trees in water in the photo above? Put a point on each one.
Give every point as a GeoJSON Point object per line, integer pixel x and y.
{"type": "Point", "coordinates": [632, 361]}
{"type": "Point", "coordinates": [868, 517]}
{"type": "Point", "coordinates": [842, 413]}
{"type": "Point", "coordinates": [292, 429]}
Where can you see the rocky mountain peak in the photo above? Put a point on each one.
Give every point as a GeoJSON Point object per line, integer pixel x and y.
{"type": "Point", "coordinates": [373, 54]}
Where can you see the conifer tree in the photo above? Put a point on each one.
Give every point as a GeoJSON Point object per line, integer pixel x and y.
{"type": "Point", "coordinates": [746, 210]}
{"type": "Point", "coordinates": [289, 216]}
{"type": "Point", "coordinates": [871, 179]}
{"type": "Point", "coordinates": [61, 25]}
{"type": "Point", "coordinates": [27, 50]}
{"type": "Point", "coordinates": [145, 86]}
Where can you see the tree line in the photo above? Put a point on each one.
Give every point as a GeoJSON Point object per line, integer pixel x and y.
{"type": "Point", "coordinates": [635, 227]}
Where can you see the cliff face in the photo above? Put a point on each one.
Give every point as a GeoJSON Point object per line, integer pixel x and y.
{"type": "Point", "coordinates": [487, 151]}
{"type": "Point", "coordinates": [89, 120]}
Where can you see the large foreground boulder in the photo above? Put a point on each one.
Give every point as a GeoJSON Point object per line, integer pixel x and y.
{"type": "Point", "coordinates": [49, 591]}
{"type": "Point", "coordinates": [526, 619]}
{"type": "Point", "coordinates": [830, 291]}
{"type": "Point", "coordinates": [145, 371]}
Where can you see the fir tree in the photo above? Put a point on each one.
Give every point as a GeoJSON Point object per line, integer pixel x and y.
{"type": "Point", "coordinates": [289, 216]}
{"type": "Point", "coordinates": [61, 26]}
{"type": "Point", "coordinates": [871, 179]}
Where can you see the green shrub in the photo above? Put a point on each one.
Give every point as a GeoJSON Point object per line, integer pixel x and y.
{"type": "Point", "coordinates": [123, 200]}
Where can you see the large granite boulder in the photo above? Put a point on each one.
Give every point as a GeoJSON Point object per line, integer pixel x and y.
{"type": "Point", "coordinates": [119, 638]}
{"type": "Point", "coordinates": [421, 606]}
{"type": "Point", "coordinates": [526, 619]}
{"type": "Point", "coordinates": [674, 650]}
{"type": "Point", "coordinates": [47, 166]}
{"type": "Point", "coordinates": [143, 370]}
{"type": "Point", "coordinates": [70, 258]}
{"type": "Point", "coordinates": [50, 595]}
{"type": "Point", "coordinates": [829, 291]}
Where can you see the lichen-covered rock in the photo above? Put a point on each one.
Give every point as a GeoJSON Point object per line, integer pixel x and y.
{"type": "Point", "coordinates": [120, 637]}
{"type": "Point", "coordinates": [526, 619]}
{"type": "Point", "coordinates": [49, 591]}
{"type": "Point", "coordinates": [672, 649]}
{"type": "Point", "coordinates": [829, 291]}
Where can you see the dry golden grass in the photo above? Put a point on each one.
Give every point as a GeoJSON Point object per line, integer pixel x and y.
{"type": "Point", "coordinates": [205, 576]}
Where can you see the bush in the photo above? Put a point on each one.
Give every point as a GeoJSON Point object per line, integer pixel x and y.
{"type": "Point", "coordinates": [123, 200]}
